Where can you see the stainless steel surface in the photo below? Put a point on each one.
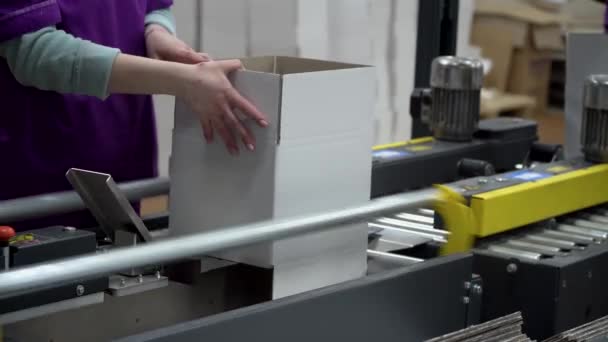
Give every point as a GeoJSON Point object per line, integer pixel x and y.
{"type": "Point", "coordinates": [48, 309]}
{"type": "Point", "coordinates": [127, 286]}
{"type": "Point", "coordinates": [425, 228]}
{"type": "Point", "coordinates": [594, 129]}
{"type": "Point", "coordinates": [410, 232]}
{"type": "Point", "coordinates": [416, 218]}
{"type": "Point", "coordinates": [535, 247]}
{"type": "Point", "coordinates": [64, 202]}
{"type": "Point", "coordinates": [574, 237]}
{"type": "Point", "coordinates": [560, 243]}
{"type": "Point", "coordinates": [596, 234]}
{"type": "Point", "coordinates": [513, 252]}
{"type": "Point", "coordinates": [450, 72]}
{"type": "Point", "coordinates": [108, 205]}
{"type": "Point", "coordinates": [157, 252]}
{"type": "Point", "coordinates": [393, 258]}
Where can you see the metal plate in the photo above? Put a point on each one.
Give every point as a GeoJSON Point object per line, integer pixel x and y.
{"type": "Point", "coordinates": [107, 203]}
{"type": "Point", "coordinates": [395, 305]}
{"type": "Point", "coordinates": [126, 286]}
{"type": "Point", "coordinates": [44, 310]}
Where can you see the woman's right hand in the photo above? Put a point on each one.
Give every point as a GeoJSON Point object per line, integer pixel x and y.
{"type": "Point", "coordinates": [212, 97]}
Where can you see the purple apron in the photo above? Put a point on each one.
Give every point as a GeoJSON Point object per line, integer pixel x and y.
{"type": "Point", "coordinates": [43, 134]}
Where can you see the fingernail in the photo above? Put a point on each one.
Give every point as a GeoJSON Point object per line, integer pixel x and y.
{"type": "Point", "coordinates": [264, 123]}
{"type": "Point", "coordinates": [251, 147]}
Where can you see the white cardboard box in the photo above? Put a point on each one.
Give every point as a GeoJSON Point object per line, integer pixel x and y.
{"type": "Point", "coordinates": [314, 157]}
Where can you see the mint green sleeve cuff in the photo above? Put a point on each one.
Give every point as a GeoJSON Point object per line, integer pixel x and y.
{"type": "Point", "coordinates": [51, 59]}
{"type": "Point", "coordinates": [93, 69]}
{"type": "Point", "coordinates": [163, 17]}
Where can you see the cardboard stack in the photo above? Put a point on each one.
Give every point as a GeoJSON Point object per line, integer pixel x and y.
{"type": "Point", "coordinates": [521, 40]}
{"type": "Point", "coordinates": [314, 157]}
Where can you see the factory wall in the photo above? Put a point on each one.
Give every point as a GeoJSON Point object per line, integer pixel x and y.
{"type": "Point", "coordinates": [378, 32]}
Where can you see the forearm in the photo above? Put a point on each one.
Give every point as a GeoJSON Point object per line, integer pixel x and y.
{"type": "Point", "coordinates": [51, 59]}
{"type": "Point", "coordinates": [138, 75]}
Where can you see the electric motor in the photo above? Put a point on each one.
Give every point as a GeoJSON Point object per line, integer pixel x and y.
{"type": "Point", "coordinates": [455, 97]}
{"type": "Point", "coordinates": [594, 128]}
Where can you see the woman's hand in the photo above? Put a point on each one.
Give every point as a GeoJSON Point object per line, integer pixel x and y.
{"type": "Point", "coordinates": [210, 94]}
{"type": "Point", "coordinates": [164, 46]}
{"type": "Point", "coordinates": [204, 87]}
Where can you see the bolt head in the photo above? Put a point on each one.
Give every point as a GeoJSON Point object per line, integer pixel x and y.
{"type": "Point", "coordinates": [467, 285]}
{"type": "Point", "coordinates": [79, 290]}
{"type": "Point", "coordinates": [157, 274]}
{"type": "Point", "coordinates": [477, 289]}
{"type": "Point", "coordinates": [466, 300]}
{"type": "Point", "coordinates": [140, 279]}
{"type": "Point", "coordinates": [123, 282]}
{"type": "Point", "coordinates": [511, 268]}
{"type": "Point", "coordinates": [69, 229]}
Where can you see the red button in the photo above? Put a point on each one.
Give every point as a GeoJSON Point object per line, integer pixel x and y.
{"type": "Point", "coordinates": [6, 233]}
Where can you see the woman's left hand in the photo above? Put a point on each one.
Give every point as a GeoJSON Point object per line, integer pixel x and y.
{"type": "Point", "coordinates": [164, 46]}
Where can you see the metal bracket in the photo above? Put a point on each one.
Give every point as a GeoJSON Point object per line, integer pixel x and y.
{"type": "Point", "coordinates": [107, 203]}
{"type": "Point", "coordinates": [473, 300]}
{"type": "Point", "coordinates": [126, 286]}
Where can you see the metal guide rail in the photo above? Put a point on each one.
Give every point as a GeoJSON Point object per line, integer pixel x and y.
{"type": "Point", "coordinates": [43, 276]}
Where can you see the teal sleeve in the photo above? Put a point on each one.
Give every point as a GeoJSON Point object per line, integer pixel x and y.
{"type": "Point", "coordinates": [163, 17]}
{"type": "Point", "coordinates": [51, 59]}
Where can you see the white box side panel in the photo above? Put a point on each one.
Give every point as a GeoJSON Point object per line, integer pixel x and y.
{"type": "Point", "coordinates": [323, 163]}
{"type": "Point", "coordinates": [211, 189]}
{"type": "Point", "coordinates": [317, 272]}
{"type": "Point", "coordinates": [327, 103]}
{"type": "Point", "coordinates": [321, 175]}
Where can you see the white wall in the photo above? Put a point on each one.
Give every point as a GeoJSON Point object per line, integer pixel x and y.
{"type": "Point", "coordinates": [378, 32]}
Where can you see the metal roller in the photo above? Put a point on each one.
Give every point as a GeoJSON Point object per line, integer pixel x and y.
{"type": "Point", "coordinates": [598, 235]}
{"type": "Point", "coordinates": [413, 226]}
{"type": "Point", "coordinates": [434, 237]}
{"type": "Point", "coordinates": [597, 218]}
{"type": "Point", "coordinates": [416, 218]}
{"type": "Point", "coordinates": [579, 222]}
{"type": "Point", "coordinates": [514, 253]}
{"type": "Point", "coordinates": [426, 212]}
{"type": "Point", "coordinates": [393, 258]}
{"type": "Point", "coordinates": [535, 247]}
{"type": "Point", "coordinates": [560, 243]}
{"type": "Point", "coordinates": [574, 237]}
